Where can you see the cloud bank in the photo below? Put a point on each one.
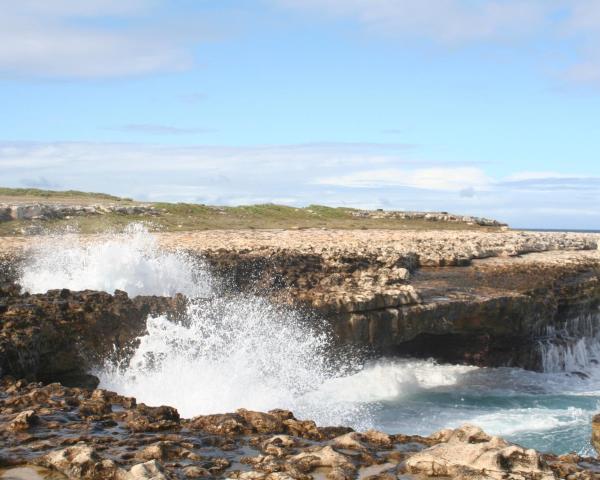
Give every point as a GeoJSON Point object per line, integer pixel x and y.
{"type": "Point", "coordinates": [355, 175]}
{"type": "Point", "coordinates": [90, 39]}
{"type": "Point", "coordinates": [461, 23]}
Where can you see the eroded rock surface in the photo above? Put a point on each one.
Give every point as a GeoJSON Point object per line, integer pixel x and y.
{"type": "Point", "coordinates": [60, 335]}
{"type": "Point", "coordinates": [483, 298]}
{"type": "Point", "coordinates": [120, 439]}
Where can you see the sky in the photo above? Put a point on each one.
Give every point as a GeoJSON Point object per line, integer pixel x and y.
{"type": "Point", "coordinates": [482, 107]}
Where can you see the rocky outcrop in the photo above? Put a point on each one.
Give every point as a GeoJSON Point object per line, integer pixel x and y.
{"type": "Point", "coordinates": [60, 335]}
{"type": "Point", "coordinates": [119, 439]}
{"type": "Point", "coordinates": [596, 433]}
{"type": "Point", "coordinates": [485, 298]}
{"type": "Point", "coordinates": [428, 216]}
{"type": "Point", "coordinates": [480, 298]}
{"type": "Point", "coordinates": [49, 211]}
{"type": "Point", "coordinates": [468, 452]}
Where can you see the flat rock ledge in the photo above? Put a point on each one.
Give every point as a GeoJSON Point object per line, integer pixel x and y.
{"type": "Point", "coordinates": [73, 433]}
{"type": "Point", "coordinates": [483, 298]}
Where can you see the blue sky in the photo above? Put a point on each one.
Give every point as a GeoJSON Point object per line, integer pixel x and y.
{"type": "Point", "coordinates": [471, 106]}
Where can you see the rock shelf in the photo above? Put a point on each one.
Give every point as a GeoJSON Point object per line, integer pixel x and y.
{"type": "Point", "coordinates": [462, 296]}
{"type": "Point", "coordinates": [100, 435]}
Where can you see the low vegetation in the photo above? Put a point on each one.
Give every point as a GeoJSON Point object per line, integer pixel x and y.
{"type": "Point", "coordinates": [193, 217]}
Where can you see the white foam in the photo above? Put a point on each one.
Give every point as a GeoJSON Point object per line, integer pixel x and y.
{"type": "Point", "coordinates": [242, 351]}
{"type": "Point", "coordinates": [519, 420]}
{"type": "Point", "coordinates": [388, 380]}
{"type": "Point", "coordinates": [131, 261]}
{"type": "Point", "coordinates": [233, 352]}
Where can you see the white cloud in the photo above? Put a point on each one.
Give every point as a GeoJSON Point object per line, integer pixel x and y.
{"type": "Point", "coordinates": [522, 23]}
{"type": "Point", "coordinates": [446, 21]}
{"type": "Point", "coordinates": [74, 38]}
{"type": "Point", "coordinates": [436, 178]}
{"type": "Point", "coordinates": [354, 175]}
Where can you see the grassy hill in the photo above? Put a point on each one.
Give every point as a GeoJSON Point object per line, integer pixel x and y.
{"type": "Point", "coordinates": [192, 217]}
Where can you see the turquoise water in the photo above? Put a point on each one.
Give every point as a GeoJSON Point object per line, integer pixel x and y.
{"type": "Point", "coordinates": [239, 351]}
{"type": "Point", "coordinates": [548, 412]}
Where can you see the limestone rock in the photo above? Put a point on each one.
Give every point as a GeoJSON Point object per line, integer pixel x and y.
{"type": "Point", "coordinates": [79, 462]}
{"type": "Point", "coordinates": [469, 453]}
{"type": "Point", "coordinates": [24, 420]}
{"type": "Point", "coordinates": [150, 470]}
{"type": "Point", "coordinates": [596, 433]}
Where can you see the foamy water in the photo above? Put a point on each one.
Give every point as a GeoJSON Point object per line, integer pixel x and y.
{"type": "Point", "coordinates": [130, 261]}
{"type": "Point", "coordinates": [233, 351]}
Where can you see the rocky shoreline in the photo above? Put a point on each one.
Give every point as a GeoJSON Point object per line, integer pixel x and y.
{"type": "Point", "coordinates": [478, 298]}
{"type": "Point", "coordinates": [483, 298]}
{"type": "Point", "coordinates": [98, 435]}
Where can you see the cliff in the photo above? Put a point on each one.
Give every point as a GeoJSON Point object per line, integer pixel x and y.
{"type": "Point", "coordinates": [485, 298]}
{"type": "Point", "coordinates": [56, 432]}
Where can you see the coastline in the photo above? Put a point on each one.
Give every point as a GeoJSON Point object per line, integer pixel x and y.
{"type": "Point", "coordinates": [481, 281]}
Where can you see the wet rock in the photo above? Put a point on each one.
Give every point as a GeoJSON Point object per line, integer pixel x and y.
{"type": "Point", "coordinates": [596, 433]}
{"type": "Point", "coordinates": [150, 470]}
{"type": "Point", "coordinates": [470, 453]}
{"type": "Point", "coordinates": [167, 450]}
{"type": "Point", "coordinates": [262, 422]}
{"type": "Point", "coordinates": [79, 462]}
{"type": "Point", "coordinates": [322, 457]}
{"type": "Point", "coordinates": [220, 424]}
{"type": "Point", "coordinates": [24, 420]}
{"type": "Point", "coordinates": [194, 471]}
{"type": "Point", "coordinates": [378, 438]}
{"type": "Point", "coordinates": [279, 445]}
{"type": "Point", "coordinates": [351, 441]}
{"type": "Point", "coordinates": [302, 428]}
{"type": "Point", "coordinates": [61, 335]}
{"type": "Point", "coordinates": [148, 419]}
{"type": "Point", "coordinates": [96, 408]}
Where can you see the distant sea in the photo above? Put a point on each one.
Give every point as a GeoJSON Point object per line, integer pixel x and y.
{"type": "Point", "coordinates": [567, 230]}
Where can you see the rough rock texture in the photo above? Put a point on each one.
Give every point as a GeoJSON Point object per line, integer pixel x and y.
{"type": "Point", "coordinates": [468, 452]}
{"type": "Point", "coordinates": [48, 211]}
{"type": "Point", "coordinates": [430, 216]}
{"type": "Point", "coordinates": [59, 335]}
{"type": "Point", "coordinates": [479, 297]}
{"type": "Point", "coordinates": [596, 433]}
{"type": "Point", "coordinates": [123, 440]}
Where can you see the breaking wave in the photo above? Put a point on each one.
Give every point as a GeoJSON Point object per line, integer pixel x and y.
{"type": "Point", "coordinates": [131, 261]}
{"type": "Point", "coordinates": [233, 350]}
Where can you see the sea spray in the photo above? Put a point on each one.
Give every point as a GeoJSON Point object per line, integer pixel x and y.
{"type": "Point", "coordinates": [573, 346]}
{"type": "Point", "coordinates": [131, 261]}
{"type": "Point", "coordinates": [233, 352]}
{"type": "Point", "coordinates": [229, 350]}
{"type": "Point", "coordinates": [238, 350]}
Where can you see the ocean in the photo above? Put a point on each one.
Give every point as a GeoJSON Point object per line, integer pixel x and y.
{"type": "Point", "coordinates": [240, 350]}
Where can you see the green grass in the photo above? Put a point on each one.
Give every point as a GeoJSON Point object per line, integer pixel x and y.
{"type": "Point", "coordinates": [74, 194]}
{"type": "Point", "coordinates": [194, 217]}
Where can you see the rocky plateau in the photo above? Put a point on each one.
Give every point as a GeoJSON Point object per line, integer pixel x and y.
{"type": "Point", "coordinates": [485, 298]}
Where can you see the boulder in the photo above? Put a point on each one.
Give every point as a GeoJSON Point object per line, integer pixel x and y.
{"type": "Point", "coordinates": [79, 462]}
{"type": "Point", "coordinates": [469, 453]}
{"type": "Point", "coordinates": [596, 433]}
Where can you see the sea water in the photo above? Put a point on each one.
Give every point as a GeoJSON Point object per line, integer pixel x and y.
{"type": "Point", "coordinates": [239, 350]}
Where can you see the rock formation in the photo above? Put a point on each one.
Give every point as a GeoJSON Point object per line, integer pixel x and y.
{"type": "Point", "coordinates": [477, 297]}
{"type": "Point", "coordinates": [486, 298]}
{"type": "Point", "coordinates": [100, 435]}
{"type": "Point", "coordinates": [49, 211]}
{"type": "Point", "coordinates": [60, 335]}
